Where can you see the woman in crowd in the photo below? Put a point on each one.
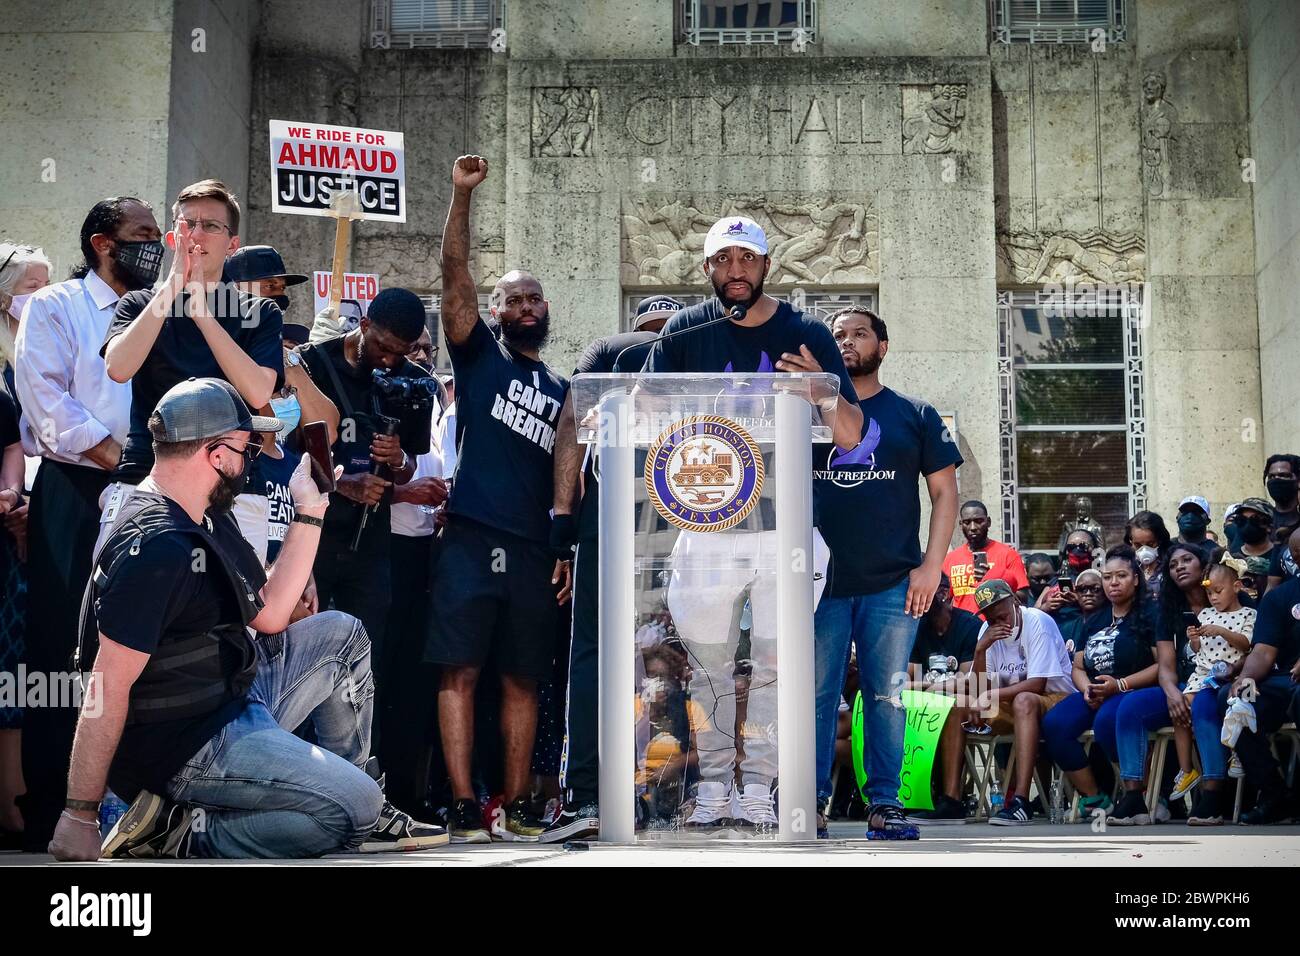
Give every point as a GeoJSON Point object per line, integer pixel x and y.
{"type": "Point", "coordinates": [1071, 606]}
{"type": "Point", "coordinates": [1147, 535]}
{"type": "Point", "coordinates": [1080, 552]}
{"type": "Point", "coordinates": [13, 592]}
{"type": "Point", "coordinates": [1113, 659]}
{"type": "Point", "coordinates": [1182, 597]}
{"type": "Point", "coordinates": [23, 270]}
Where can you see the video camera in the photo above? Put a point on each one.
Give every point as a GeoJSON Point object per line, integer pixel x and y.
{"type": "Point", "coordinates": [406, 392]}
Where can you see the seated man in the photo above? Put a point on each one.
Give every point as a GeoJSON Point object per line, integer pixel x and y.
{"type": "Point", "coordinates": [183, 708]}
{"type": "Point", "coordinates": [941, 660]}
{"type": "Point", "coordinates": [1020, 671]}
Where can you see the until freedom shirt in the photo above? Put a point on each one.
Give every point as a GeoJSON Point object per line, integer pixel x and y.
{"type": "Point", "coordinates": [508, 407]}
{"type": "Point", "coordinates": [1037, 651]}
{"type": "Point", "coordinates": [1004, 562]}
{"type": "Point", "coordinates": [868, 498]}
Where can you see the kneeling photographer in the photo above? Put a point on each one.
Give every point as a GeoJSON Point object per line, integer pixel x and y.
{"type": "Point", "coordinates": [385, 402]}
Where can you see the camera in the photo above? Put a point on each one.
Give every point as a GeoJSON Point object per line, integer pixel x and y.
{"type": "Point", "coordinates": [407, 393]}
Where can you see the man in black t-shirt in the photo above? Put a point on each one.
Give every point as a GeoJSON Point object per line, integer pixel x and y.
{"type": "Point", "coordinates": [770, 336]}
{"type": "Point", "coordinates": [191, 718]}
{"type": "Point", "coordinates": [194, 324]}
{"type": "Point", "coordinates": [358, 580]}
{"type": "Point", "coordinates": [579, 818]}
{"type": "Point", "coordinates": [494, 587]}
{"type": "Point", "coordinates": [1273, 668]}
{"type": "Point", "coordinates": [881, 584]}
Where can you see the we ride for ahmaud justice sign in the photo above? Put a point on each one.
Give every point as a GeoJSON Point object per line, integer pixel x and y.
{"type": "Point", "coordinates": [311, 162]}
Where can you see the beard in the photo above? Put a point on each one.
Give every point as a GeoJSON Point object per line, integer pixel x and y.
{"type": "Point", "coordinates": [229, 487]}
{"type": "Point", "coordinates": [527, 337]}
{"type": "Point", "coordinates": [727, 302]}
{"type": "Point", "coordinates": [864, 366]}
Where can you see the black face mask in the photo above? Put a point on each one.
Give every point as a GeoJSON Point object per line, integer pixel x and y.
{"type": "Point", "coordinates": [1252, 532]}
{"type": "Point", "coordinates": [282, 301]}
{"type": "Point", "coordinates": [1192, 524]}
{"type": "Point", "coordinates": [1282, 489]}
{"type": "Point", "coordinates": [142, 261]}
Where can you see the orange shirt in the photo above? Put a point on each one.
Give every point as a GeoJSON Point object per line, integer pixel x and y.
{"type": "Point", "coordinates": [1004, 562]}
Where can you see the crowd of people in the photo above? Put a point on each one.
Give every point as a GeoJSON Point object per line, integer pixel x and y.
{"type": "Point", "coordinates": [282, 656]}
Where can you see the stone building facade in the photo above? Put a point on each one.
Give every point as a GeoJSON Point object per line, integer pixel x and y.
{"type": "Point", "coordinates": [1086, 251]}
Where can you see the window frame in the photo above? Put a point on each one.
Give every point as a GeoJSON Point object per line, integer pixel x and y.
{"type": "Point", "coordinates": [1129, 303]}
{"type": "Point", "coordinates": [383, 37]}
{"type": "Point", "coordinates": [1006, 28]}
{"type": "Point", "coordinates": [694, 34]}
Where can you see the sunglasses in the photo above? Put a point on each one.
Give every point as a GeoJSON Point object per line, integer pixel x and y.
{"type": "Point", "coordinates": [250, 451]}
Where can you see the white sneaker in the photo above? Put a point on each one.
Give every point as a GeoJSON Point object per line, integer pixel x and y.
{"type": "Point", "coordinates": [754, 807]}
{"type": "Point", "coordinates": [712, 807]}
{"type": "Point", "coordinates": [1235, 770]}
{"type": "Point", "coordinates": [1161, 813]}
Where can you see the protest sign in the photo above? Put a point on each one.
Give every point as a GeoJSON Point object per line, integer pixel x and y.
{"type": "Point", "coordinates": [356, 285]}
{"type": "Point", "coordinates": [926, 714]}
{"type": "Point", "coordinates": [311, 162]}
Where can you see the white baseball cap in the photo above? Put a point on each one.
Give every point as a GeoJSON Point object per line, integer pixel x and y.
{"type": "Point", "coordinates": [735, 231]}
{"type": "Point", "coordinates": [1197, 500]}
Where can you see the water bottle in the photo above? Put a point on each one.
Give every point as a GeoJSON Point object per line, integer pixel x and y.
{"type": "Point", "coordinates": [1220, 674]}
{"type": "Point", "coordinates": [1058, 803]}
{"type": "Point", "coordinates": [110, 809]}
{"type": "Point", "coordinates": [995, 793]}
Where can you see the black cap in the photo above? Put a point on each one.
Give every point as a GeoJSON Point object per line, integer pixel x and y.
{"type": "Point", "coordinates": [252, 263]}
{"type": "Point", "coordinates": [295, 334]}
{"type": "Point", "coordinates": [206, 408]}
{"type": "Point", "coordinates": [655, 307]}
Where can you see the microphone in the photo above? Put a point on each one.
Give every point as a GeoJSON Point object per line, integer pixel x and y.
{"type": "Point", "coordinates": [736, 314]}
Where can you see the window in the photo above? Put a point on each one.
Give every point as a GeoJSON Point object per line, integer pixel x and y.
{"type": "Point", "coordinates": [817, 304]}
{"type": "Point", "coordinates": [1056, 21]}
{"type": "Point", "coordinates": [434, 23]}
{"type": "Point", "coordinates": [748, 21]}
{"type": "Point", "coordinates": [1072, 417]}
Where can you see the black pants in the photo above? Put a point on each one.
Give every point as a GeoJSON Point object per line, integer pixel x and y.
{"type": "Point", "coordinates": [410, 711]}
{"type": "Point", "coordinates": [580, 769]}
{"type": "Point", "coordinates": [1275, 705]}
{"type": "Point", "coordinates": [61, 529]}
{"type": "Point", "coordinates": [360, 583]}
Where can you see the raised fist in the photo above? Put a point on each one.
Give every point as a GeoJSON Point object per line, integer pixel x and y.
{"type": "Point", "coordinates": [468, 172]}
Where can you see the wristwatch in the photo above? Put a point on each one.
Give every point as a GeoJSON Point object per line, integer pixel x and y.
{"type": "Point", "coordinates": [308, 519]}
{"type": "Point", "coordinates": [85, 806]}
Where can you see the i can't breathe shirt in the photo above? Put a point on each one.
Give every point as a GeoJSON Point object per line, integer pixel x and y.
{"type": "Point", "coordinates": [507, 408]}
{"type": "Point", "coordinates": [868, 498]}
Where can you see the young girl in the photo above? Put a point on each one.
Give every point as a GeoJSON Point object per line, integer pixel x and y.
{"type": "Point", "coordinates": [1223, 634]}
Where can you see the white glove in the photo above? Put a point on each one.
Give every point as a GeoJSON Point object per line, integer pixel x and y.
{"type": "Point", "coordinates": [303, 486]}
{"type": "Point", "coordinates": [325, 327]}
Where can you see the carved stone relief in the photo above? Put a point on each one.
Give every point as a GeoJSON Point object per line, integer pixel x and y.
{"type": "Point", "coordinates": [820, 239]}
{"type": "Point", "coordinates": [564, 120]}
{"type": "Point", "coordinates": [1158, 118]}
{"type": "Point", "coordinates": [933, 117]}
{"type": "Point", "coordinates": [1071, 257]}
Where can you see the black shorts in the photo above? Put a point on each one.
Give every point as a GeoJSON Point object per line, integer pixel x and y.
{"type": "Point", "coordinates": [493, 601]}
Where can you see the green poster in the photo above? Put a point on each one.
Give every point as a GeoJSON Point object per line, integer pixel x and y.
{"type": "Point", "coordinates": [926, 714]}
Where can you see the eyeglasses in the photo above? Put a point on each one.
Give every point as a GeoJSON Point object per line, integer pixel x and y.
{"type": "Point", "coordinates": [211, 227]}
{"type": "Point", "coordinates": [250, 451]}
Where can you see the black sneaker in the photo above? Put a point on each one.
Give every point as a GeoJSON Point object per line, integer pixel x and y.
{"type": "Point", "coordinates": [887, 822]}
{"type": "Point", "coordinates": [577, 820]}
{"type": "Point", "coordinates": [465, 821]}
{"type": "Point", "coordinates": [398, 830]}
{"type": "Point", "coordinates": [1131, 811]}
{"type": "Point", "coordinates": [946, 812]}
{"type": "Point", "coordinates": [1205, 811]}
{"type": "Point", "coordinates": [1270, 808]}
{"type": "Point", "coordinates": [522, 824]}
{"type": "Point", "coordinates": [1016, 813]}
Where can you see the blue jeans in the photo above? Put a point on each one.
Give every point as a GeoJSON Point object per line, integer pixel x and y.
{"type": "Point", "coordinates": [267, 794]}
{"type": "Point", "coordinates": [1146, 710]}
{"type": "Point", "coordinates": [883, 634]}
{"type": "Point", "coordinates": [1063, 724]}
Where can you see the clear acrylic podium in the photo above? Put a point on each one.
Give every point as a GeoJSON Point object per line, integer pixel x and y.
{"type": "Point", "coordinates": [707, 580]}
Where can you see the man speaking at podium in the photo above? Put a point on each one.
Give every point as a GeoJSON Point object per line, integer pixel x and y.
{"type": "Point", "coordinates": [767, 335]}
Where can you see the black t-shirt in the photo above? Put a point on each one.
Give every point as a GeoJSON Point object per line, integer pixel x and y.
{"type": "Point", "coordinates": [359, 390]}
{"type": "Point", "coordinates": [181, 352]}
{"type": "Point", "coordinates": [270, 477]}
{"type": "Point", "coordinates": [1277, 626]}
{"type": "Point", "coordinates": [1119, 649]}
{"type": "Point", "coordinates": [958, 641]}
{"type": "Point", "coordinates": [868, 499]}
{"type": "Point", "coordinates": [157, 596]}
{"type": "Point", "coordinates": [507, 410]}
{"type": "Point", "coordinates": [599, 358]}
{"type": "Point", "coordinates": [1281, 564]}
{"type": "Point", "coordinates": [9, 433]}
{"type": "Point", "coordinates": [1170, 627]}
